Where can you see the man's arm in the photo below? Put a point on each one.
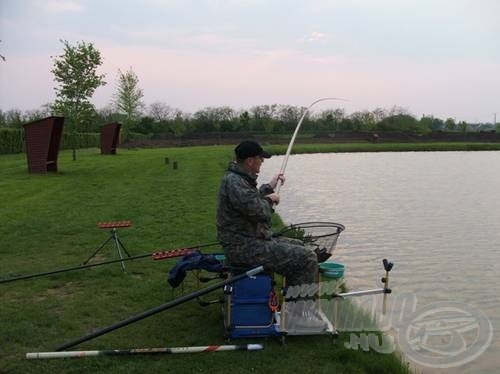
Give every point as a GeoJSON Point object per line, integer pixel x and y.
{"type": "Point", "coordinates": [250, 202]}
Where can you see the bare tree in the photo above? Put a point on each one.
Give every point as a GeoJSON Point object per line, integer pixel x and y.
{"type": "Point", "coordinates": [160, 111]}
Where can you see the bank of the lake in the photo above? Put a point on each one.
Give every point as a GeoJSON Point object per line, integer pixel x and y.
{"type": "Point", "coordinates": [385, 147]}
{"type": "Point", "coordinates": [49, 222]}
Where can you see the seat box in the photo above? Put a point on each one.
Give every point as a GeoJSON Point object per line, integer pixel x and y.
{"type": "Point", "coordinates": [247, 308]}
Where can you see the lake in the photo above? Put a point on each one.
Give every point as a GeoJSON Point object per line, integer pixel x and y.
{"type": "Point", "coordinates": [436, 215]}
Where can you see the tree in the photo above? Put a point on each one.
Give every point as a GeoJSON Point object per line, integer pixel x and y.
{"type": "Point", "coordinates": [14, 118]}
{"type": "Point", "coordinates": [426, 123]}
{"type": "Point", "coordinates": [178, 125]}
{"type": "Point", "coordinates": [332, 119]}
{"type": "Point", "coordinates": [75, 72]}
{"type": "Point", "coordinates": [379, 114]}
{"type": "Point", "coordinates": [399, 122]}
{"type": "Point", "coordinates": [108, 114]}
{"type": "Point", "coordinates": [244, 121]}
{"type": "Point", "coordinates": [261, 114]}
{"type": "Point", "coordinates": [363, 121]}
{"type": "Point", "coordinates": [462, 127]}
{"type": "Point", "coordinates": [160, 111]}
{"type": "Point", "coordinates": [397, 110]}
{"type": "Point", "coordinates": [431, 123]}
{"type": "Point", "coordinates": [450, 124]}
{"type": "Point", "coordinates": [212, 119]}
{"type": "Point", "coordinates": [37, 114]}
{"type": "Point", "coordinates": [127, 98]}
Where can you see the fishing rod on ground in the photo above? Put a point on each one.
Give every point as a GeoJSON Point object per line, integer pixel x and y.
{"type": "Point", "coordinates": [157, 255]}
{"type": "Point", "coordinates": [153, 311]}
{"type": "Point", "coordinates": [145, 351]}
{"type": "Point", "coordinates": [292, 141]}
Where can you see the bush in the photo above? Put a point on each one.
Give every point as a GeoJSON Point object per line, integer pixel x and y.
{"type": "Point", "coordinates": [134, 136]}
{"type": "Point", "coordinates": [11, 141]}
{"type": "Point", "coordinates": [83, 140]}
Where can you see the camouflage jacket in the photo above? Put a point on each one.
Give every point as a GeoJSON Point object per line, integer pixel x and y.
{"type": "Point", "coordinates": [242, 210]}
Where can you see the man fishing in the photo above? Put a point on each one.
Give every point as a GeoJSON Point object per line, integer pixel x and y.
{"type": "Point", "coordinates": [244, 215]}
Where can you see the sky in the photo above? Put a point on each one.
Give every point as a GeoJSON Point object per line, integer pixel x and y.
{"type": "Point", "coordinates": [432, 57]}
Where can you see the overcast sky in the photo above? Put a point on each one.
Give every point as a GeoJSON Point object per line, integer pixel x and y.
{"type": "Point", "coordinates": [439, 57]}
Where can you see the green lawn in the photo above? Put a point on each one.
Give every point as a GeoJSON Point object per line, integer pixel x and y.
{"type": "Point", "coordinates": [387, 147]}
{"type": "Point", "coordinates": [49, 222]}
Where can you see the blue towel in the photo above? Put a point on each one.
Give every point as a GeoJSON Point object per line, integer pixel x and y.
{"type": "Point", "coordinates": [193, 261]}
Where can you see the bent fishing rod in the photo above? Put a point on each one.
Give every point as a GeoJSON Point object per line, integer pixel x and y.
{"type": "Point", "coordinates": [292, 141]}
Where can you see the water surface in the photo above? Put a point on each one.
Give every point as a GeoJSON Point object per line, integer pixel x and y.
{"type": "Point", "coordinates": [436, 215]}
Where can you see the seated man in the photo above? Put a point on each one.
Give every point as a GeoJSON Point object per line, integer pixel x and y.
{"type": "Point", "coordinates": [244, 227]}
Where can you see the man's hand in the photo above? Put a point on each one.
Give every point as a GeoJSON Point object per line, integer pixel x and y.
{"type": "Point", "coordinates": [322, 254]}
{"type": "Point", "coordinates": [274, 197]}
{"type": "Point", "coordinates": [276, 178]}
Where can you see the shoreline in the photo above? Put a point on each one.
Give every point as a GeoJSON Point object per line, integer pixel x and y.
{"type": "Point", "coordinates": [318, 147]}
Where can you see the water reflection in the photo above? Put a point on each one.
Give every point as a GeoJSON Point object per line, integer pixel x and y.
{"type": "Point", "coordinates": [435, 214]}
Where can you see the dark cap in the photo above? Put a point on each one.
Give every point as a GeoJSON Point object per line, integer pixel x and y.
{"type": "Point", "coordinates": [250, 148]}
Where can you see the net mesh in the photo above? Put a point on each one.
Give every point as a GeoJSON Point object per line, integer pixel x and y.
{"type": "Point", "coordinates": [321, 235]}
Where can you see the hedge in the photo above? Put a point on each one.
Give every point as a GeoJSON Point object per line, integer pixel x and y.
{"type": "Point", "coordinates": [83, 140]}
{"type": "Point", "coordinates": [12, 140]}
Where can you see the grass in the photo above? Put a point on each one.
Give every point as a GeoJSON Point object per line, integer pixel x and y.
{"type": "Point", "coordinates": [49, 222]}
{"type": "Point", "coordinates": [386, 147]}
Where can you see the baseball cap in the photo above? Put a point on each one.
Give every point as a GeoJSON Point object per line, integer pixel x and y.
{"type": "Point", "coordinates": [250, 148]}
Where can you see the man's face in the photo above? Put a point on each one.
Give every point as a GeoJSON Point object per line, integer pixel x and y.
{"type": "Point", "coordinates": [253, 164]}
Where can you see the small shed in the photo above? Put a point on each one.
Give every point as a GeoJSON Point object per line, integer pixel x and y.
{"type": "Point", "coordinates": [110, 136]}
{"type": "Point", "coordinates": [42, 139]}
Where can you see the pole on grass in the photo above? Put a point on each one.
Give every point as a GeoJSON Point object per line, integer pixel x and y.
{"type": "Point", "coordinates": [158, 309]}
{"type": "Point", "coordinates": [157, 255]}
{"type": "Point", "coordinates": [145, 351]}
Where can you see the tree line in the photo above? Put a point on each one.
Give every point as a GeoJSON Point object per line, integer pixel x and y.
{"type": "Point", "coordinates": [76, 78]}
{"type": "Point", "coordinates": [160, 118]}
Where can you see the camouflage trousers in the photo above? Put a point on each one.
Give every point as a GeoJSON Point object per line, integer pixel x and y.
{"type": "Point", "coordinates": [285, 256]}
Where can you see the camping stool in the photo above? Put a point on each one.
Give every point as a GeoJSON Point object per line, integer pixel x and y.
{"type": "Point", "coordinates": [114, 226]}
